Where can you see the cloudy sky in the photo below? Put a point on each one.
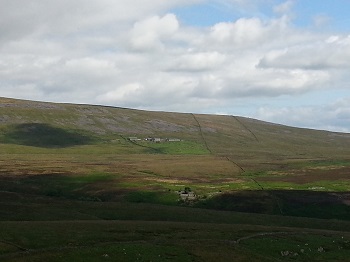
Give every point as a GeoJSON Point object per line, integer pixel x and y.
{"type": "Point", "coordinates": [282, 61]}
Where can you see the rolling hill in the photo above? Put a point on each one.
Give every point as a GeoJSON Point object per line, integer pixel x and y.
{"type": "Point", "coordinates": [241, 139]}
{"type": "Point", "coordinates": [63, 164]}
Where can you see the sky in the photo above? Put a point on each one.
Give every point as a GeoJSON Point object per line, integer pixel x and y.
{"type": "Point", "coordinates": [282, 61]}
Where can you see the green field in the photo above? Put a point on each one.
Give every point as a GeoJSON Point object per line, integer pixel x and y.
{"type": "Point", "coordinates": [76, 187]}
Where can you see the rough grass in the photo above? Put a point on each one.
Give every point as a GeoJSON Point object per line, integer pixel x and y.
{"type": "Point", "coordinates": [178, 148]}
{"type": "Point", "coordinates": [250, 143]}
{"type": "Point", "coordinates": [96, 173]}
{"type": "Point", "coordinates": [73, 163]}
{"type": "Point", "coordinates": [300, 247]}
{"type": "Point", "coordinates": [165, 241]}
{"type": "Point", "coordinates": [115, 252]}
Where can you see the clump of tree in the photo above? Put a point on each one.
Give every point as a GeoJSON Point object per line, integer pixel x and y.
{"type": "Point", "coordinates": [187, 190]}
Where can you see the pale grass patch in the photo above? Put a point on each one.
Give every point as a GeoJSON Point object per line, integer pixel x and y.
{"type": "Point", "coordinates": [333, 167]}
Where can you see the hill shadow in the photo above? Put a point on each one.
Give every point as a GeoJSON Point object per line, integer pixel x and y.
{"type": "Point", "coordinates": [44, 135]}
{"type": "Point", "coordinates": [298, 203]}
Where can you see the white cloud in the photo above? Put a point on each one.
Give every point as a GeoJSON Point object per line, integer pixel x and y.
{"type": "Point", "coordinates": [330, 53]}
{"type": "Point", "coordinates": [120, 93]}
{"type": "Point", "coordinates": [138, 54]}
{"type": "Point", "coordinates": [243, 31]}
{"type": "Point", "coordinates": [201, 61]}
{"type": "Point", "coordinates": [285, 7]}
{"type": "Point", "coordinates": [251, 33]}
{"type": "Point", "coordinates": [20, 18]}
{"type": "Point", "coordinates": [333, 116]}
{"type": "Point", "coordinates": [149, 33]}
{"type": "Point", "coordinates": [320, 20]}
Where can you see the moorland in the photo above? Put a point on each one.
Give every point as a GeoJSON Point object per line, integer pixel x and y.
{"type": "Point", "coordinates": [98, 183]}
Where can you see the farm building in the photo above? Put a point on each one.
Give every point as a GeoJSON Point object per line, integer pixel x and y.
{"type": "Point", "coordinates": [154, 139]}
{"type": "Point", "coordinates": [184, 195]}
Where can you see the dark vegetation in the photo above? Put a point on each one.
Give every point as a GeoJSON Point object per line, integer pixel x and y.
{"type": "Point", "coordinates": [300, 203]}
{"type": "Point", "coordinates": [43, 135]}
{"type": "Point", "coordinates": [73, 187]}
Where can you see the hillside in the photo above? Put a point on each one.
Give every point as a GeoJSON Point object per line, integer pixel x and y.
{"type": "Point", "coordinates": [62, 164]}
{"type": "Point", "coordinates": [246, 141]}
{"type": "Point", "coordinates": [220, 146]}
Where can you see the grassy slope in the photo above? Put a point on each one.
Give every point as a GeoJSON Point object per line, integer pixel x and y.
{"type": "Point", "coordinates": [91, 160]}
{"type": "Point", "coordinates": [242, 138]}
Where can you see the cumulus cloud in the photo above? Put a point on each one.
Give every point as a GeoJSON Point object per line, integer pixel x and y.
{"type": "Point", "coordinates": [149, 33]}
{"type": "Point", "coordinates": [330, 53]}
{"type": "Point", "coordinates": [254, 34]}
{"type": "Point", "coordinates": [24, 17]}
{"type": "Point", "coordinates": [327, 117]}
{"type": "Point", "coordinates": [139, 54]}
{"type": "Point", "coordinates": [200, 61]}
{"type": "Point", "coordinates": [240, 32]}
{"type": "Point", "coordinates": [121, 93]}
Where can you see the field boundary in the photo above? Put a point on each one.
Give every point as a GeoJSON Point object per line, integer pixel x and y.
{"type": "Point", "coordinates": [246, 128]}
{"type": "Point", "coordinates": [230, 160]}
{"type": "Point", "coordinates": [201, 133]}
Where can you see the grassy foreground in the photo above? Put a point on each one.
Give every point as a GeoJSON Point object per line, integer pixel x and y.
{"type": "Point", "coordinates": [75, 187]}
{"type": "Point", "coordinates": [166, 241]}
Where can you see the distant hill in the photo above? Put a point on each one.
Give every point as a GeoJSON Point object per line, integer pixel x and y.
{"type": "Point", "coordinates": [247, 142]}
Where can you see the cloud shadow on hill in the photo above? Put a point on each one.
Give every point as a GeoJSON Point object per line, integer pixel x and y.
{"type": "Point", "coordinates": [44, 135]}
